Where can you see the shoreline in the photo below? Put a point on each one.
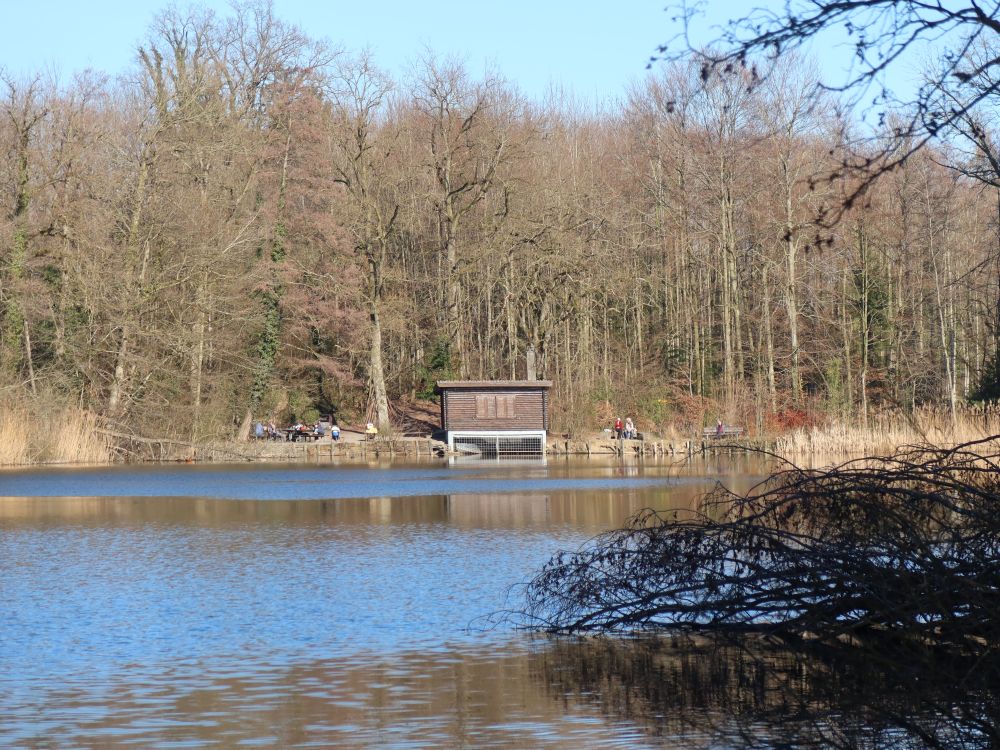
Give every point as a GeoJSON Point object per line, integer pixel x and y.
{"type": "Point", "coordinates": [154, 451]}
{"type": "Point", "coordinates": [802, 447]}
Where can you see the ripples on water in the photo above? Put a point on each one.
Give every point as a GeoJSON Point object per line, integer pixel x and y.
{"type": "Point", "coordinates": [304, 483]}
{"type": "Point", "coordinates": [295, 606]}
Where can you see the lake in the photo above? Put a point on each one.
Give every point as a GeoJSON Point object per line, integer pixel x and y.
{"type": "Point", "coordinates": [317, 605]}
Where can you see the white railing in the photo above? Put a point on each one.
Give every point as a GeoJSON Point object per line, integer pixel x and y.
{"type": "Point", "coordinates": [498, 443]}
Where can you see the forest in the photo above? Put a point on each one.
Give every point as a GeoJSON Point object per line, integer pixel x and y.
{"type": "Point", "coordinates": [255, 224]}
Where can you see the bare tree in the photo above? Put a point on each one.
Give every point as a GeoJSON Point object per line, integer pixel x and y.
{"type": "Point", "coordinates": [467, 128]}
{"type": "Point", "coordinates": [363, 145]}
{"type": "Point", "coordinates": [24, 112]}
{"type": "Point", "coordinates": [882, 34]}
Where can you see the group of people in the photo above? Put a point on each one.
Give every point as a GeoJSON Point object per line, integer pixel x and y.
{"type": "Point", "coordinates": [625, 431]}
{"type": "Point", "coordinates": [299, 430]}
{"type": "Point", "coordinates": [267, 431]}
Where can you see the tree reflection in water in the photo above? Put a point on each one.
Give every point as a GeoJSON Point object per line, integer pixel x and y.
{"type": "Point", "coordinates": [752, 692]}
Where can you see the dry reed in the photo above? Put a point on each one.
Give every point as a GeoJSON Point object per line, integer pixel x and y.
{"type": "Point", "coordinates": [63, 436]}
{"type": "Point", "coordinates": [890, 430]}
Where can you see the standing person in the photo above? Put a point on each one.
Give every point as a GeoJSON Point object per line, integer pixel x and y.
{"type": "Point", "coordinates": [629, 429]}
{"type": "Point", "coordinates": [618, 428]}
{"type": "Point", "coordinates": [719, 429]}
{"type": "Point", "coordinates": [335, 432]}
{"type": "Point", "coordinates": [258, 431]}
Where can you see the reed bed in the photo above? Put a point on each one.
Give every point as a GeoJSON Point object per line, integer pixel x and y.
{"type": "Point", "coordinates": [890, 430]}
{"type": "Point", "coordinates": [29, 436]}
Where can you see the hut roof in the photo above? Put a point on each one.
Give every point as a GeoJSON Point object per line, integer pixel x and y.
{"type": "Point", "coordinates": [492, 384]}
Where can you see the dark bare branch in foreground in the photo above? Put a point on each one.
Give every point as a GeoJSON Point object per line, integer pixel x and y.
{"type": "Point", "coordinates": [882, 35]}
{"type": "Point", "coordinates": [907, 545]}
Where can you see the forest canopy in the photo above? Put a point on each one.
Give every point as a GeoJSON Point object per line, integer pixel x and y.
{"type": "Point", "coordinates": [252, 224]}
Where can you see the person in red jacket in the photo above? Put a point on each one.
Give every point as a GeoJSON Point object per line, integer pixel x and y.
{"type": "Point", "coordinates": [618, 427]}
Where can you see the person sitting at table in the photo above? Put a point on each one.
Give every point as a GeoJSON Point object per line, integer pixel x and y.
{"type": "Point", "coordinates": [318, 430]}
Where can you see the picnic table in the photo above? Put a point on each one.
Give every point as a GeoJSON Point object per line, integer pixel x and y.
{"type": "Point", "coordinates": [293, 435]}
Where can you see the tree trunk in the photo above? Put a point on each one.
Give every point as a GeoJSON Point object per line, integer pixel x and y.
{"type": "Point", "coordinates": [376, 370]}
{"type": "Point", "coordinates": [453, 292]}
{"type": "Point", "coordinates": [132, 286]}
{"type": "Point", "coordinates": [199, 329]}
{"type": "Point", "coordinates": [791, 300]}
{"type": "Point", "coordinates": [772, 392]}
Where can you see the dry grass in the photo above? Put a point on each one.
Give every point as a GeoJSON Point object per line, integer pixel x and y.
{"type": "Point", "coordinates": [62, 436]}
{"type": "Point", "coordinates": [890, 430]}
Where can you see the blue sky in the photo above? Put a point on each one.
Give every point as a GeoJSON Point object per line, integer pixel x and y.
{"type": "Point", "coordinates": [592, 49]}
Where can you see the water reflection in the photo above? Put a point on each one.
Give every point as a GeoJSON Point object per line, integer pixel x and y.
{"type": "Point", "coordinates": [585, 511]}
{"type": "Point", "coordinates": [516, 692]}
{"type": "Point", "coordinates": [751, 693]}
{"type": "Point", "coordinates": [487, 696]}
{"type": "Point", "coordinates": [331, 481]}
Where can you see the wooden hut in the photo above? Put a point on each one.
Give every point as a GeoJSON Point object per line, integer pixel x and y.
{"type": "Point", "coordinates": [495, 417]}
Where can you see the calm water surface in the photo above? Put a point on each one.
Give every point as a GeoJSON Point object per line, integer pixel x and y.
{"type": "Point", "coordinates": [303, 606]}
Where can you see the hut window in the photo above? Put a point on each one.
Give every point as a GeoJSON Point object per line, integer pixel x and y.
{"type": "Point", "coordinates": [505, 407]}
{"type": "Point", "coordinates": [494, 407]}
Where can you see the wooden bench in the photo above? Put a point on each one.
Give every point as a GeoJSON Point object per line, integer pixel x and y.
{"type": "Point", "coordinates": [727, 431]}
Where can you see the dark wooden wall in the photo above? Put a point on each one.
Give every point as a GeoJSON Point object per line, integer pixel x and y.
{"type": "Point", "coordinates": [495, 409]}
